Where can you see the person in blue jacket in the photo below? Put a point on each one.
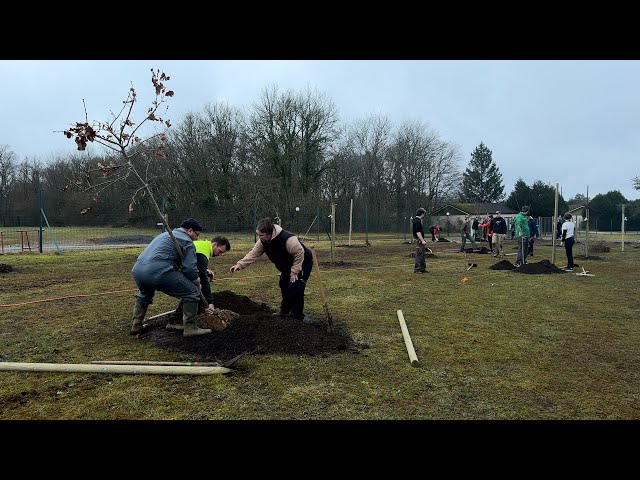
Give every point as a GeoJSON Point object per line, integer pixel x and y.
{"type": "Point", "coordinates": [159, 267]}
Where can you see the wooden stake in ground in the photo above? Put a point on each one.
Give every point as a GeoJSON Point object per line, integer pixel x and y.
{"type": "Point", "coordinates": [130, 369]}
{"type": "Point", "coordinates": [323, 295]}
{"type": "Point", "coordinates": [407, 340]}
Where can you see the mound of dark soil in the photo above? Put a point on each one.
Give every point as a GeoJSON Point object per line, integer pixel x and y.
{"type": "Point", "coordinates": [600, 247]}
{"type": "Point", "coordinates": [541, 267]}
{"type": "Point", "coordinates": [122, 239]}
{"type": "Point", "coordinates": [4, 268]}
{"type": "Point", "coordinates": [254, 332]}
{"type": "Point", "coordinates": [442, 239]}
{"type": "Point", "coordinates": [503, 265]}
{"type": "Point", "coordinates": [359, 245]}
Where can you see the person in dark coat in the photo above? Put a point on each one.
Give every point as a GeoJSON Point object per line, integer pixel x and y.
{"type": "Point", "coordinates": [160, 267]}
{"type": "Point", "coordinates": [291, 258]}
{"type": "Point", "coordinates": [433, 230]}
{"type": "Point", "coordinates": [420, 265]}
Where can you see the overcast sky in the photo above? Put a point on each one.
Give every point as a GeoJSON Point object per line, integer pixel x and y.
{"type": "Point", "coordinates": [576, 123]}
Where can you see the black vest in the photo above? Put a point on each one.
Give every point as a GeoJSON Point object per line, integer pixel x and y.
{"type": "Point", "coordinates": [276, 250]}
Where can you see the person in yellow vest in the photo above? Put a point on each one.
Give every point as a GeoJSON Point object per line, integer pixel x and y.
{"type": "Point", "coordinates": [205, 249]}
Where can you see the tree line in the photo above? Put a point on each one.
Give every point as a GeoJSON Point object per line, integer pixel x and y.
{"type": "Point", "coordinates": [288, 150]}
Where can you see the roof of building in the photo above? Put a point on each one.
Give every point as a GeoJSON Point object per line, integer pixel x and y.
{"type": "Point", "coordinates": [473, 209]}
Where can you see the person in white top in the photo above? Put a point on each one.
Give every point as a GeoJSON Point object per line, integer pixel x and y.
{"type": "Point", "coordinates": [568, 239]}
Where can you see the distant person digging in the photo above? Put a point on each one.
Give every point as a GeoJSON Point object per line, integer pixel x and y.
{"type": "Point", "coordinates": [433, 230]}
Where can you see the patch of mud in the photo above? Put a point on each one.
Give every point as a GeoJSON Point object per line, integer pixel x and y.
{"type": "Point", "coordinates": [122, 239]}
{"type": "Point", "coordinates": [600, 247]}
{"type": "Point", "coordinates": [481, 250]}
{"type": "Point", "coordinates": [5, 268]}
{"type": "Point", "coordinates": [341, 263]}
{"type": "Point", "coordinates": [588, 257]}
{"type": "Point", "coordinates": [426, 254]}
{"type": "Point", "coordinates": [255, 332]}
{"type": "Point", "coordinates": [359, 245]}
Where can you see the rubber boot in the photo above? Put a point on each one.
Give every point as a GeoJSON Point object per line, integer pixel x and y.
{"type": "Point", "coordinates": [189, 314]}
{"type": "Point", "coordinates": [175, 319]}
{"type": "Point", "coordinates": [139, 311]}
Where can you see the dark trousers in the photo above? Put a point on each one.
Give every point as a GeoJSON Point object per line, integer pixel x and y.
{"type": "Point", "coordinates": [531, 241]}
{"type": "Point", "coordinates": [293, 292]}
{"type": "Point", "coordinates": [568, 247]}
{"type": "Point", "coordinates": [523, 249]}
{"type": "Point", "coordinates": [421, 262]}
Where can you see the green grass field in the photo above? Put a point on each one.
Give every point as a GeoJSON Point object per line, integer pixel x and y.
{"type": "Point", "coordinates": [501, 346]}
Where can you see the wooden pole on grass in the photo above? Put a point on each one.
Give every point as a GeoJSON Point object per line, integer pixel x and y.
{"type": "Point", "coordinates": [407, 340]}
{"type": "Point", "coordinates": [323, 294]}
{"type": "Point", "coordinates": [350, 221]}
{"type": "Point", "coordinates": [333, 230]}
{"type": "Point", "coordinates": [131, 369]}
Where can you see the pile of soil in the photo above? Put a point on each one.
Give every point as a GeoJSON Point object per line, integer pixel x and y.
{"type": "Point", "coordinates": [4, 268]}
{"type": "Point", "coordinates": [503, 265]}
{"type": "Point", "coordinates": [541, 267]}
{"type": "Point", "coordinates": [254, 332]}
{"type": "Point", "coordinates": [600, 247]}
{"type": "Point", "coordinates": [442, 239]}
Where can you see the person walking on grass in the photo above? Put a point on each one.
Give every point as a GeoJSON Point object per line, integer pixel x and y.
{"type": "Point", "coordinates": [159, 267]}
{"type": "Point", "coordinates": [465, 234]}
{"type": "Point", "coordinates": [522, 233]}
{"type": "Point", "coordinates": [568, 239]}
{"type": "Point", "coordinates": [499, 228]}
{"type": "Point", "coordinates": [205, 249]}
{"type": "Point", "coordinates": [420, 265]}
{"type": "Point", "coordinates": [291, 258]}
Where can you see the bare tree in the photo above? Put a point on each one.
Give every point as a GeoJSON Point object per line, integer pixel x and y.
{"type": "Point", "coordinates": [122, 135]}
{"type": "Point", "coordinates": [8, 162]}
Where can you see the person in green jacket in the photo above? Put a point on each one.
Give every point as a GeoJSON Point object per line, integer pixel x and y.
{"type": "Point", "coordinates": [205, 249]}
{"type": "Point", "coordinates": [522, 232]}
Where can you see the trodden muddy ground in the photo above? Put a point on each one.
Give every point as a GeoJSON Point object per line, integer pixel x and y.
{"type": "Point", "coordinates": [253, 332]}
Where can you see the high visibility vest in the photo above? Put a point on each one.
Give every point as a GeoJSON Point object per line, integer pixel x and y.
{"type": "Point", "coordinates": [204, 247]}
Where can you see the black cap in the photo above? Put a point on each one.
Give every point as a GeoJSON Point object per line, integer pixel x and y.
{"type": "Point", "coordinates": [191, 223]}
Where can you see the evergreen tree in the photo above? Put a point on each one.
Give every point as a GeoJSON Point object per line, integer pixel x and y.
{"type": "Point", "coordinates": [521, 195]}
{"type": "Point", "coordinates": [482, 180]}
{"type": "Point", "coordinates": [540, 197]}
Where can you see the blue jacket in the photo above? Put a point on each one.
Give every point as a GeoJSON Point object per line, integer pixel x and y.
{"type": "Point", "coordinates": [533, 228]}
{"type": "Point", "coordinates": [161, 256]}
